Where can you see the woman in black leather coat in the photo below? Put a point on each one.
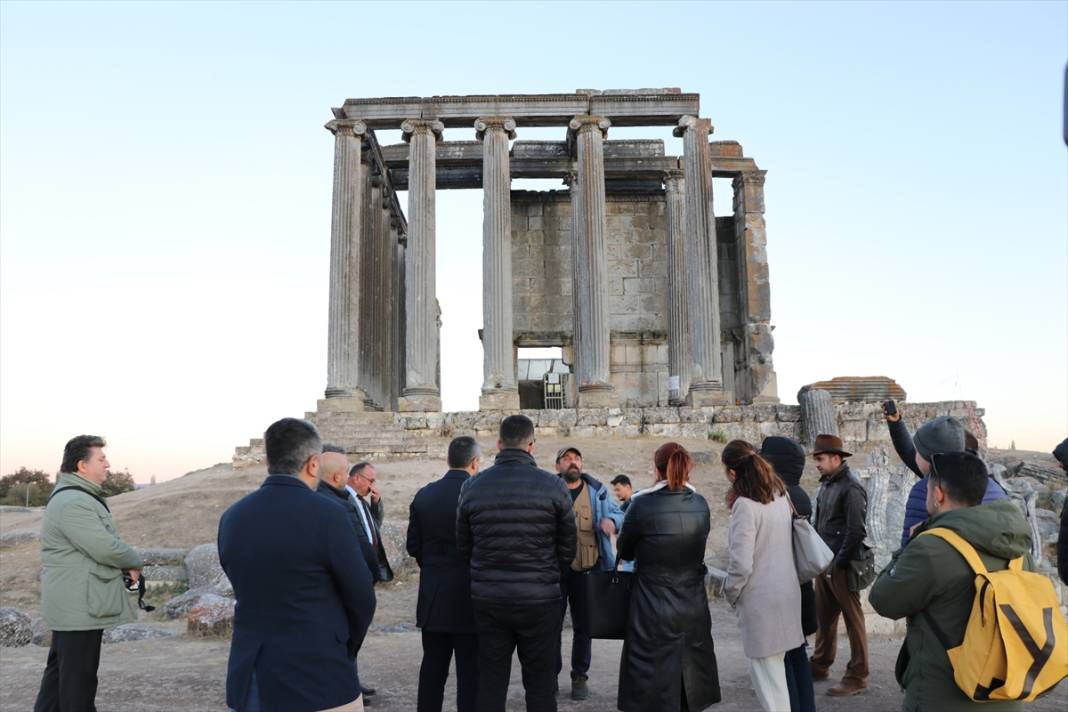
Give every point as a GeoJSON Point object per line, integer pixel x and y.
{"type": "Point", "coordinates": [669, 662]}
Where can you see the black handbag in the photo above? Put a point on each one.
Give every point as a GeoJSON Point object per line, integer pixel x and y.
{"type": "Point", "coordinates": [861, 571]}
{"type": "Point", "coordinates": [606, 595]}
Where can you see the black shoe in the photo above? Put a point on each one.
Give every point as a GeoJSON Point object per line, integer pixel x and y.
{"type": "Point", "coordinates": [579, 691]}
{"type": "Point", "coordinates": [368, 691]}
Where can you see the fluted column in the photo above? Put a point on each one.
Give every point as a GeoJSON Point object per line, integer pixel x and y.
{"type": "Point", "coordinates": [421, 391]}
{"type": "Point", "coordinates": [678, 331]}
{"type": "Point", "coordinates": [706, 376]}
{"type": "Point", "coordinates": [343, 356]}
{"type": "Point", "coordinates": [590, 260]}
{"type": "Point", "coordinates": [499, 389]}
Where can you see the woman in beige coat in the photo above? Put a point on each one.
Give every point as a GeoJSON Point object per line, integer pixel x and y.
{"type": "Point", "coordinates": [761, 577]}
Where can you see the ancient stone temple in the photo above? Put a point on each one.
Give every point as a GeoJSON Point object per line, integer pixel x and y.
{"type": "Point", "coordinates": [654, 299]}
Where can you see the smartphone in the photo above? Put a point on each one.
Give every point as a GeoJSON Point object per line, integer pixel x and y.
{"type": "Point", "coordinates": [890, 407]}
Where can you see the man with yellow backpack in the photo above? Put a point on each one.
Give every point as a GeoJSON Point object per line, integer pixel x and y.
{"type": "Point", "coordinates": [982, 628]}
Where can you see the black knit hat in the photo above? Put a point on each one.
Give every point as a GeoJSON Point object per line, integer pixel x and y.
{"type": "Point", "coordinates": [939, 434]}
{"type": "Point", "coordinates": [1061, 453]}
{"type": "Point", "coordinates": [786, 456]}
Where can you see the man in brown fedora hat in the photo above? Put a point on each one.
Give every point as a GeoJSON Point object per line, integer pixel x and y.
{"type": "Point", "coordinates": [841, 506]}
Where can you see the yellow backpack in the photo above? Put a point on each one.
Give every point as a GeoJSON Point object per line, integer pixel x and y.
{"type": "Point", "coordinates": [1016, 644]}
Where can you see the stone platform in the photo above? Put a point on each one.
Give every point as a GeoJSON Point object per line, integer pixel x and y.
{"type": "Point", "coordinates": [387, 435]}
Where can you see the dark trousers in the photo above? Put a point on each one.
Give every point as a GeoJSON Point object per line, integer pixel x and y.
{"type": "Point", "coordinates": [833, 598]}
{"type": "Point", "coordinates": [438, 649]}
{"type": "Point", "coordinates": [531, 629]}
{"type": "Point", "coordinates": [69, 680]}
{"type": "Point", "coordinates": [799, 680]}
{"type": "Point", "coordinates": [573, 592]}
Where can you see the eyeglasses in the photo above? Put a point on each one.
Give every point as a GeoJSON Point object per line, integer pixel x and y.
{"type": "Point", "coordinates": [369, 479]}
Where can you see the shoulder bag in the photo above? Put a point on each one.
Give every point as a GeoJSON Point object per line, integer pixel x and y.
{"type": "Point", "coordinates": [812, 556]}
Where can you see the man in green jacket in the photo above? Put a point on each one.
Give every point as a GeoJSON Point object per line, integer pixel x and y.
{"type": "Point", "coordinates": [928, 581]}
{"type": "Point", "coordinates": [82, 590]}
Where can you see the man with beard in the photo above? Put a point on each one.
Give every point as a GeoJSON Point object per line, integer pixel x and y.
{"type": "Point", "coordinates": [841, 507]}
{"type": "Point", "coordinates": [597, 519]}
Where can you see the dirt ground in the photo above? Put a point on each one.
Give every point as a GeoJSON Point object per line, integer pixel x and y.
{"type": "Point", "coordinates": [184, 673]}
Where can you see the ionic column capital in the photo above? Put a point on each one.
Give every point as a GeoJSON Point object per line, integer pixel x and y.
{"type": "Point", "coordinates": [410, 127]}
{"type": "Point", "coordinates": [586, 123]}
{"type": "Point", "coordinates": [489, 123]}
{"type": "Point", "coordinates": [349, 127]}
{"type": "Point", "coordinates": [692, 123]}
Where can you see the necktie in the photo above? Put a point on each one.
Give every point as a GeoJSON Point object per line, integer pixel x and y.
{"type": "Point", "coordinates": [370, 523]}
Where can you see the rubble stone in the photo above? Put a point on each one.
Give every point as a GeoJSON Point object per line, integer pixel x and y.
{"type": "Point", "coordinates": [16, 628]}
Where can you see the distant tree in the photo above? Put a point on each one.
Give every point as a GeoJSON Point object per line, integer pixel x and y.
{"type": "Point", "coordinates": [152, 481]}
{"type": "Point", "coordinates": [25, 486]}
{"type": "Point", "coordinates": [117, 483]}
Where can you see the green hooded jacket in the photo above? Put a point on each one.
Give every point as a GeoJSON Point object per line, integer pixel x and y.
{"type": "Point", "coordinates": [82, 558]}
{"type": "Point", "coordinates": [928, 574]}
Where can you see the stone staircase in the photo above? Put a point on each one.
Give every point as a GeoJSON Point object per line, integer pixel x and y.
{"type": "Point", "coordinates": [366, 435]}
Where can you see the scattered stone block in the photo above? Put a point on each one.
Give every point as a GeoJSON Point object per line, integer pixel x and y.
{"type": "Point", "coordinates": [136, 631]}
{"type": "Point", "coordinates": [16, 628]}
{"type": "Point", "coordinates": [163, 556]}
{"type": "Point", "coordinates": [212, 617]}
{"type": "Point", "coordinates": [204, 570]}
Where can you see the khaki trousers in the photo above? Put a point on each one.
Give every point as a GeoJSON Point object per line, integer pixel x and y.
{"type": "Point", "coordinates": [354, 706]}
{"type": "Point", "coordinates": [833, 597]}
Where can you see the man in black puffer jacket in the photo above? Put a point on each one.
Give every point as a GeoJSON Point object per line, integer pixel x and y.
{"type": "Point", "coordinates": [788, 458]}
{"type": "Point", "coordinates": [516, 525]}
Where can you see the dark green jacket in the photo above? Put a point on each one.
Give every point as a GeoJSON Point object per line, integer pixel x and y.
{"type": "Point", "coordinates": [929, 575]}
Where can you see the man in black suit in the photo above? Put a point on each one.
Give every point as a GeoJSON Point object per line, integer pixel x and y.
{"type": "Point", "coordinates": [363, 484]}
{"type": "Point", "coordinates": [444, 612]}
{"type": "Point", "coordinates": [304, 595]}
{"type": "Point", "coordinates": [333, 472]}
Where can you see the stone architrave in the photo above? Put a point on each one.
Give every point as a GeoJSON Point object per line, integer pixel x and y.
{"type": "Point", "coordinates": [754, 283]}
{"type": "Point", "coordinates": [421, 391]}
{"type": "Point", "coordinates": [678, 330]}
{"type": "Point", "coordinates": [590, 262]}
{"type": "Point", "coordinates": [706, 376]}
{"type": "Point", "coordinates": [343, 390]}
{"type": "Point", "coordinates": [499, 388]}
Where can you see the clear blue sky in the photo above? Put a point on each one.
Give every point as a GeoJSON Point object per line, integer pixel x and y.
{"type": "Point", "coordinates": [165, 196]}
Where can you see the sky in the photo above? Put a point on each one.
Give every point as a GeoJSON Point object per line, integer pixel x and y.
{"type": "Point", "coordinates": [165, 186]}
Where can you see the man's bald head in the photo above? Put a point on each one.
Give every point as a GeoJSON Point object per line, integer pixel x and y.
{"type": "Point", "coordinates": [334, 469]}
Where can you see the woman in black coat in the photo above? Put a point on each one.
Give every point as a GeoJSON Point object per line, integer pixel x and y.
{"type": "Point", "coordinates": [668, 662]}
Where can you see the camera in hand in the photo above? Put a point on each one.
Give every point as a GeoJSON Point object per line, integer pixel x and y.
{"type": "Point", "coordinates": [137, 587]}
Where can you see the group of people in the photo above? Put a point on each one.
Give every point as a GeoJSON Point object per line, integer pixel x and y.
{"type": "Point", "coordinates": [506, 551]}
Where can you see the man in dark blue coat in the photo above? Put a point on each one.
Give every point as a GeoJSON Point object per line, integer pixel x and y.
{"type": "Point", "coordinates": [444, 612]}
{"type": "Point", "coordinates": [304, 595]}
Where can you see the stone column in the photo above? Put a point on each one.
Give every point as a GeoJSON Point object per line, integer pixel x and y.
{"type": "Point", "coordinates": [499, 388]}
{"type": "Point", "coordinates": [678, 330]}
{"type": "Point", "coordinates": [752, 240]}
{"type": "Point", "coordinates": [421, 391]}
{"type": "Point", "coordinates": [590, 262]}
{"type": "Point", "coordinates": [343, 358]}
{"type": "Point", "coordinates": [706, 376]}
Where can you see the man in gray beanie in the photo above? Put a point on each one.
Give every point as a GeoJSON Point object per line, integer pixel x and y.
{"type": "Point", "coordinates": [939, 434]}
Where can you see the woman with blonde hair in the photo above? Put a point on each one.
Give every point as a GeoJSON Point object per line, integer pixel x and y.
{"type": "Point", "coordinates": [668, 661]}
{"type": "Point", "coordinates": [761, 579]}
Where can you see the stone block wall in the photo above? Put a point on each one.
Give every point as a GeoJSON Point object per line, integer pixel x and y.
{"type": "Point", "coordinates": [637, 288]}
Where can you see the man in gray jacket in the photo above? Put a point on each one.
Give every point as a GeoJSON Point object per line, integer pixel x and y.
{"type": "Point", "coordinates": [82, 590]}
